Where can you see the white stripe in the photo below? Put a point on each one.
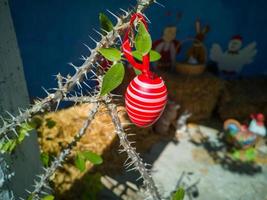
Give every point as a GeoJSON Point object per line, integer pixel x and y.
{"type": "Point", "coordinates": [147, 85]}
{"type": "Point", "coordinates": [160, 105]}
{"type": "Point", "coordinates": [129, 111]}
{"type": "Point", "coordinates": [140, 120]}
{"type": "Point", "coordinates": [146, 93]}
{"type": "Point", "coordinates": [142, 110]}
{"type": "Point", "coordinates": [146, 100]}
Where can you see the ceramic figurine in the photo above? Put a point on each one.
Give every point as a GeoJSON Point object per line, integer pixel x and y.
{"type": "Point", "coordinates": [169, 115]}
{"type": "Point", "coordinates": [257, 126]}
{"type": "Point", "coordinates": [197, 53]}
{"type": "Point", "coordinates": [168, 47]}
{"type": "Point", "coordinates": [234, 58]}
{"type": "Point", "coordinates": [244, 136]}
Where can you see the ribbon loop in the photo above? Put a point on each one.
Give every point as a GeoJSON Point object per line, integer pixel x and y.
{"type": "Point", "coordinates": [127, 50]}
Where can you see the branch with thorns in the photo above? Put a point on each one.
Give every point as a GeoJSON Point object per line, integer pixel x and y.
{"type": "Point", "coordinates": [62, 93]}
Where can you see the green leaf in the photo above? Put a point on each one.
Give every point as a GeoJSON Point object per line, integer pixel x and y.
{"type": "Point", "coordinates": [21, 137]}
{"type": "Point", "coordinates": [105, 23]}
{"type": "Point", "coordinates": [45, 159]}
{"type": "Point", "coordinates": [50, 123]}
{"type": "Point", "coordinates": [179, 194]}
{"type": "Point", "coordinates": [153, 55]}
{"type": "Point", "coordinates": [143, 42]}
{"type": "Point", "coordinates": [137, 71]}
{"type": "Point", "coordinates": [236, 155]}
{"type": "Point", "coordinates": [80, 162]}
{"type": "Point", "coordinates": [30, 197]}
{"type": "Point", "coordinates": [92, 157]}
{"type": "Point", "coordinates": [112, 54]}
{"type": "Point", "coordinates": [48, 197]}
{"type": "Point", "coordinates": [250, 154]}
{"type": "Point", "coordinates": [113, 78]}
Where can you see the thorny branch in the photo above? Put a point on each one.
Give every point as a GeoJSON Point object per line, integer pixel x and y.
{"type": "Point", "coordinates": [42, 182]}
{"type": "Point", "coordinates": [136, 161]}
{"type": "Point", "coordinates": [66, 84]}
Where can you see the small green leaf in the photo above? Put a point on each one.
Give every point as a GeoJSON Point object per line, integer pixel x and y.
{"type": "Point", "coordinates": [143, 42]}
{"type": "Point", "coordinates": [92, 157]}
{"type": "Point", "coordinates": [153, 55]}
{"type": "Point", "coordinates": [112, 54]}
{"type": "Point", "coordinates": [45, 159]}
{"type": "Point", "coordinates": [80, 162]}
{"type": "Point", "coordinates": [48, 197]}
{"type": "Point", "coordinates": [179, 194]}
{"type": "Point", "coordinates": [250, 154]}
{"type": "Point", "coordinates": [21, 137]}
{"type": "Point", "coordinates": [30, 197]}
{"type": "Point", "coordinates": [50, 123]}
{"type": "Point", "coordinates": [137, 71]}
{"type": "Point", "coordinates": [105, 23]}
{"type": "Point", "coordinates": [113, 78]}
{"type": "Point", "coordinates": [236, 155]}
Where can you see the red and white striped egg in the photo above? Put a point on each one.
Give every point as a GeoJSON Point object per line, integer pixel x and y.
{"type": "Point", "coordinates": [145, 100]}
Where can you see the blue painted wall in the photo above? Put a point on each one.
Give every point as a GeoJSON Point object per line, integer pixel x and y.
{"type": "Point", "coordinates": [51, 32]}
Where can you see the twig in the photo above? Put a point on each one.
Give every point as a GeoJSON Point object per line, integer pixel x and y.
{"type": "Point", "coordinates": [134, 157]}
{"type": "Point", "coordinates": [66, 84]}
{"type": "Point", "coordinates": [40, 184]}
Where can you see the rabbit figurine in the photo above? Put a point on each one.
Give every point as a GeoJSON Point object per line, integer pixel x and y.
{"type": "Point", "coordinates": [168, 116]}
{"type": "Point", "coordinates": [197, 53]}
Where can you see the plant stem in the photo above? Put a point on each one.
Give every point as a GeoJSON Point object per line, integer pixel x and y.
{"type": "Point", "coordinates": [42, 182]}
{"type": "Point", "coordinates": [135, 158]}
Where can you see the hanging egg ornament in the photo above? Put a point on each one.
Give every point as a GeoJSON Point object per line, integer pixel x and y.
{"type": "Point", "coordinates": [145, 100]}
{"type": "Point", "coordinates": [146, 95]}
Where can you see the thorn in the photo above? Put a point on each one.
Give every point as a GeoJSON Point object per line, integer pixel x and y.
{"type": "Point", "coordinates": [58, 102]}
{"type": "Point", "coordinates": [93, 40]}
{"type": "Point", "coordinates": [104, 30]}
{"type": "Point", "coordinates": [113, 14]}
{"type": "Point", "coordinates": [98, 32]}
{"type": "Point", "coordinates": [125, 12]}
{"type": "Point", "coordinates": [159, 4]}
{"type": "Point", "coordinates": [75, 67]}
{"type": "Point", "coordinates": [12, 117]}
{"type": "Point", "coordinates": [87, 85]}
{"type": "Point", "coordinates": [88, 47]}
{"type": "Point", "coordinates": [46, 91]}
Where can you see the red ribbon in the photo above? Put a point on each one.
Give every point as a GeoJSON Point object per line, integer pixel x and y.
{"type": "Point", "coordinates": [126, 47]}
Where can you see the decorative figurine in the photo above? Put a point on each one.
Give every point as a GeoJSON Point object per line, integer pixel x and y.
{"type": "Point", "coordinates": [244, 136]}
{"type": "Point", "coordinates": [197, 54]}
{"type": "Point", "coordinates": [234, 58]}
{"type": "Point", "coordinates": [168, 47]}
{"type": "Point", "coordinates": [169, 115]}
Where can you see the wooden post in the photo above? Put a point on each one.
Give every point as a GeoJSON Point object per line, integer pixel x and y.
{"type": "Point", "coordinates": [25, 161]}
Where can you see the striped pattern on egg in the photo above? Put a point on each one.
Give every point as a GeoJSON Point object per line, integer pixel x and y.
{"type": "Point", "coordinates": [145, 100]}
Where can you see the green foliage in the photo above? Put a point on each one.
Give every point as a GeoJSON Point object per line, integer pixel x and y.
{"type": "Point", "coordinates": [9, 145]}
{"type": "Point", "coordinates": [93, 185]}
{"type": "Point", "coordinates": [45, 159]}
{"type": "Point", "coordinates": [250, 154]}
{"type": "Point", "coordinates": [178, 195]}
{"type": "Point", "coordinates": [48, 197]}
{"type": "Point", "coordinates": [143, 42]}
{"type": "Point", "coordinates": [30, 197]}
{"type": "Point", "coordinates": [112, 54]}
{"type": "Point", "coordinates": [236, 155]}
{"type": "Point", "coordinates": [50, 123]}
{"type": "Point", "coordinates": [113, 78]}
{"type": "Point", "coordinates": [105, 23]}
{"type": "Point", "coordinates": [153, 55]}
{"type": "Point", "coordinates": [84, 156]}
{"type": "Point", "coordinates": [137, 72]}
